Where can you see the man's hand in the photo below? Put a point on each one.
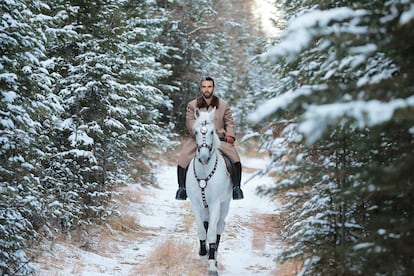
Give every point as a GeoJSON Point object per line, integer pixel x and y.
{"type": "Point", "coordinates": [229, 139]}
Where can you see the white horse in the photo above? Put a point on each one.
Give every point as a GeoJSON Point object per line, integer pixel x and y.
{"type": "Point", "coordinates": [209, 186]}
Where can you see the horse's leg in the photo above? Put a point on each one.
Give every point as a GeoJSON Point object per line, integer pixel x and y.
{"type": "Point", "coordinates": [224, 210]}
{"type": "Point", "coordinates": [203, 248]}
{"type": "Point", "coordinates": [201, 217]}
{"type": "Point", "coordinates": [214, 216]}
{"type": "Point", "coordinates": [214, 211]}
{"type": "Point", "coordinates": [212, 263]}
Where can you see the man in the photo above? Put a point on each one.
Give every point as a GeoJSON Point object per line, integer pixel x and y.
{"type": "Point", "coordinates": [225, 130]}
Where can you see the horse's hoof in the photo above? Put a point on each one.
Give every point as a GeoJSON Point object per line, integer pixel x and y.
{"type": "Point", "coordinates": [203, 251]}
{"type": "Point", "coordinates": [212, 267]}
{"type": "Point", "coordinates": [204, 260]}
{"type": "Point", "coordinates": [237, 193]}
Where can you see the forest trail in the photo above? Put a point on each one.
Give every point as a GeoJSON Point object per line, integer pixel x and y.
{"type": "Point", "coordinates": [156, 235]}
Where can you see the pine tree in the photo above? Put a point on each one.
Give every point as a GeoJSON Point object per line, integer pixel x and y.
{"type": "Point", "coordinates": [80, 96]}
{"type": "Point", "coordinates": [109, 74]}
{"type": "Point", "coordinates": [26, 104]}
{"type": "Point", "coordinates": [212, 41]}
{"type": "Point", "coordinates": [345, 73]}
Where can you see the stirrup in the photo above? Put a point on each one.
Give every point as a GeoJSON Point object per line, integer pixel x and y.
{"type": "Point", "coordinates": [181, 194]}
{"type": "Point", "coordinates": [237, 193]}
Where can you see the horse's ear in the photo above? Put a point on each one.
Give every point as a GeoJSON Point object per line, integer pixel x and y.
{"type": "Point", "coordinates": [197, 113]}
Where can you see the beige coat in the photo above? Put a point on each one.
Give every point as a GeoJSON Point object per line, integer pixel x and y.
{"type": "Point", "coordinates": [223, 120]}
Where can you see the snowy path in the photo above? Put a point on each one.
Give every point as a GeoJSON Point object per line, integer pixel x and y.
{"type": "Point", "coordinates": [166, 242]}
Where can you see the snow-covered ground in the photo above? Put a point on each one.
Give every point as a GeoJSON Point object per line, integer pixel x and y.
{"type": "Point", "coordinates": [165, 241]}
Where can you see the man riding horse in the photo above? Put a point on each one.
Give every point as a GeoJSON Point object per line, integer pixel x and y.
{"type": "Point", "coordinates": [223, 122]}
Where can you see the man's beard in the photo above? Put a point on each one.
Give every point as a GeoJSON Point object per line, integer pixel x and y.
{"type": "Point", "coordinates": [208, 96]}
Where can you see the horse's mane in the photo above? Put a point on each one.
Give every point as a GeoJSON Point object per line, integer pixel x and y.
{"type": "Point", "coordinates": [205, 117]}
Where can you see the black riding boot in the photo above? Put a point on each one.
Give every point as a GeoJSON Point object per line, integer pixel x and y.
{"type": "Point", "coordinates": [181, 175]}
{"type": "Point", "coordinates": [237, 192]}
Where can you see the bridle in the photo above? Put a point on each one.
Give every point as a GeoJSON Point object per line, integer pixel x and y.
{"type": "Point", "coordinates": [202, 183]}
{"type": "Point", "coordinates": [203, 131]}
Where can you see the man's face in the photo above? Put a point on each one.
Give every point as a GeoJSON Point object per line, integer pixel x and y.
{"type": "Point", "coordinates": [207, 88]}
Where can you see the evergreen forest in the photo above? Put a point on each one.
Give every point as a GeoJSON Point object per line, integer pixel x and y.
{"type": "Point", "coordinates": [90, 87]}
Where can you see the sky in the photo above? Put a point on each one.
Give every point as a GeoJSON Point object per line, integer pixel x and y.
{"type": "Point", "coordinates": [265, 11]}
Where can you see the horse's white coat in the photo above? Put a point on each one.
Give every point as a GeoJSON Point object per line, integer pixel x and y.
{"type": "Point", "coordinates": [219, 188]}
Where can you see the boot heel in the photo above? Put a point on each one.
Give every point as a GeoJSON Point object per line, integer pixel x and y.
{"type": "Point", "coordinates": [237, 193]}
{"type": "Point", "coordinates": [181, 194]}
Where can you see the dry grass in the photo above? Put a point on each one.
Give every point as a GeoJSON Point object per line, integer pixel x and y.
{"type": "Point", "coordinates": [57, 260]}
{"type": "Point", "coordinates": [131, 195]}
{"type": "Point", "coordinates": [169, 157]}
{"type": "Point", "coordinates": [141, 171]}
{"type": "Point", "coordinates": [250, 149]}
{"type": "Point", "coordinates": [288, 268]}
{"type": "Point", "coordinates": [268, 227]}
{"type": "Point", "coordinates": [172, 257]}
{"type": "Point", "coordinates": [263, 227]}
{"type": "Point", "coordinates": [169, 256]}
{"type": "Point", "coordinates": [188, 221]}
{"type": "Point", "coordinates": [125, 227]}
{"type": "Point", "coordinates": [105, 238]}
{"type": "Point", "coordinates": [128, 221]}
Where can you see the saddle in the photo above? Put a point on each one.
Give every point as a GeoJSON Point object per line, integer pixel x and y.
{"type": "Point", "coordinates": [229, 164]}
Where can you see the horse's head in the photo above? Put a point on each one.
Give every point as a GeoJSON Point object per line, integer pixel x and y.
{"type": "Point", "coordinates": [205, 135]}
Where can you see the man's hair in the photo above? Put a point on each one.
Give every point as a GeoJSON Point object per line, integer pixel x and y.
{"type": "Point", "coordinates": [207, 79]}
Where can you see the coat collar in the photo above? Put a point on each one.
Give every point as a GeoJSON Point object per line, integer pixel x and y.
{"type": "Point", "coordinates": [201, 103]}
